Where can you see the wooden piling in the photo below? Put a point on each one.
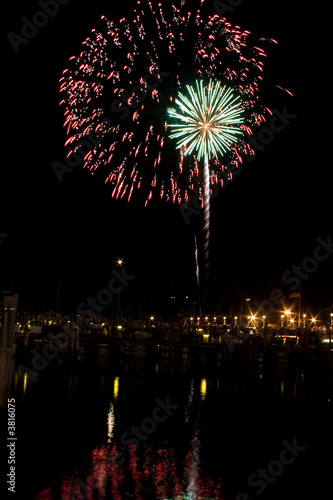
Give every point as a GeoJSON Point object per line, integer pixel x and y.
{"type": "Point", "coordinates": [7, 337]}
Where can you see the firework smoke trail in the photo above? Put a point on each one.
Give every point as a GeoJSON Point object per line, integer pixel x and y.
{"type": "Point", "coordinates": [206, 217]}
{"type": "Point", "coordinates": [197, 272]}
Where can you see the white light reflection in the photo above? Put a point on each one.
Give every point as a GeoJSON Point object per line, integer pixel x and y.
{"type": "Point", "coordinates": [194, 469]}
{"type": "Point", "coordinates": [110, 423]}
{"type": "Point", "coordinates": [189, 402]}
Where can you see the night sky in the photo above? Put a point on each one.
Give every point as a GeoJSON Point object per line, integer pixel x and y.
{"type": "Point", "coordinates": [263, 223]}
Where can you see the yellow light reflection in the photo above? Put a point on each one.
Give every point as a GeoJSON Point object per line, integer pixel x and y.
{"type": "Point", "coordinates": [282, 388]}
{"type": "Point", "coordinates": [203, 388]}
{"type": "Point", "coordinates": [25, 379]}
{"type": "Point", "coordinates": [116, 388]}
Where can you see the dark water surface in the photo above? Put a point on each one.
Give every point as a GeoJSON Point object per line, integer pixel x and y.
{"type": "Point", "coordinates": [242, 413]}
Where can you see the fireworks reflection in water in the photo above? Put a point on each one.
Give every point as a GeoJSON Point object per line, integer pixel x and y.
{"type": "Point", "coordinates": [154, 474]}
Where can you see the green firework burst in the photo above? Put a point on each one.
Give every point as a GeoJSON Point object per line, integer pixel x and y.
{"type": "Point", "coordinates": [209, 119]}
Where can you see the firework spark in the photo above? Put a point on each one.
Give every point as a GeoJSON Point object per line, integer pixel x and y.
{"type": "Point", "coordinates": [132, 71]}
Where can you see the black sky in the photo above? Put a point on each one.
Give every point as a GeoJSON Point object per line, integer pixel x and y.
{"type": "Point", "coordinates": [263, 223]}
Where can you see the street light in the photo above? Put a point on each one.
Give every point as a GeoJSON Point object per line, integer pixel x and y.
{"type": "Point", "coordinates": [287, 313]}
